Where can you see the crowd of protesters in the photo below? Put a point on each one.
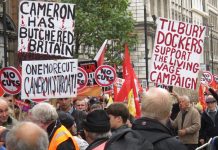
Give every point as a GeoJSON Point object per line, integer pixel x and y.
{"type": "Point", "coordinates": [88, 124]}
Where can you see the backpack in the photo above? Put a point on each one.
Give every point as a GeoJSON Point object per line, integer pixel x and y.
{"type": "Point", "coordinates": [129, 139]}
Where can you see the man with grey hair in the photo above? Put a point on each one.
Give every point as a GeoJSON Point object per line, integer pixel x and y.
{"type": "Point", "coordinates": [45, 115]}
{"type": "Point", "coordinates": [156, 107]}
{"type": "Point", "coordinates": [6, 119]}
{"type": "Point", "coordinates": [27, 136]}
{"type": "Point", "coordinates": [188, 123]}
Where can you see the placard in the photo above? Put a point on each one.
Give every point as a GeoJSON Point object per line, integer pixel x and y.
{"type": "Point", "coordinates": [89, 67]}
{"type": "Point", "coordinates": [105, 75]}
{"type": "Point", "coordinates": [49, 79]}
{"type": "Point", "coordinates": [176, 54]}
{"type": "Point", "coordinates": [46, 28]}
{"type": "Point", "coordinates": [82, 78]}
{"type": "Point", "coordinates": [10, 80]}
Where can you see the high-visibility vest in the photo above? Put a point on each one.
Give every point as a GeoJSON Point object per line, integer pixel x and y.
{"type": "Point", "coordinates": [61, 135]}
{"type": "Point", "coordinates": [100, 147]}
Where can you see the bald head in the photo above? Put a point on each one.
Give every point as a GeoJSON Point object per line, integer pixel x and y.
{"type": "Point", "coordinates": [3, 100]}
{"type": "Point", "coordinates": [28, 136]}
{"type": "Point", "coordinates": [156, 104]}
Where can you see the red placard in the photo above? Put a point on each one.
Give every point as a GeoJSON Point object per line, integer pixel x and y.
{"type": "Point", "coordinates": [105, 75]}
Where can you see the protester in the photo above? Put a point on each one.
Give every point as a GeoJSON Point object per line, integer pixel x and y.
{"type": "Point", "coordinates": [97, 129]}
{"type": "Point", "coordinates": [209, 121]}
{"type": "Point", "coordinates": [188, 123]}
{"type": "Point", "coordinates": [118, 114]}
{"type": "Point", "coordinates": [65, 104]}
{"type": "Point", "coordinates": [68, 121]}
{"type": "Point", "coordinates": [9, 98]}
{"type": "Point", "coordinates": [5, 119]}
{"type": "Point", "coordinates": [45, 115]}
{"type": "Point", "coordinates": [82, 104]}
{"type": "Point", "coordinates": [96, 102]}
{"type": "Point", "coordinates": [156, 106]}
{"type": "Point", "coordinates": [27, 136]}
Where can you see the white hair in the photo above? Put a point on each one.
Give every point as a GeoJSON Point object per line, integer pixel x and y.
{"type": "Point", "coordinates": [17, 140]}
{"type": "Point", "coordinates": [44, 112]}
{"type": "Point", "coordinates": [185, 98]}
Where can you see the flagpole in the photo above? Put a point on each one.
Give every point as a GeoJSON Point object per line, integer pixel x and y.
{"type": "Point", "coordinates": [146, 43]}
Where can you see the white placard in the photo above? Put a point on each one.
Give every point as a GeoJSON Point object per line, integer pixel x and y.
{"type": "Point", "coordinates": [49, 78]}
{"type": "Point", "coordinates": [176, 54]}
{"type": "Point", "coordinates": [46, 28]}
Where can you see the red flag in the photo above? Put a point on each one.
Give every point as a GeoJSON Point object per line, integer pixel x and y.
{"type": "Point", "coordinates": [100, 55]}
{"type": "Point", "coordinates": [201, 97]}
{"type": "Point", "coordinates": [127, 66]}
{"type": "Point", "coordinates": [130, 82]}
{"type": "Point", "coordinates": [213, 83]}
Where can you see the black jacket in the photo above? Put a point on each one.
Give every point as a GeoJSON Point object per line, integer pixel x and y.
{"type": "Point", "coordinates": [208, 127]}
{"type": "Point", "coordinates": [78, 116]}
{"type": "Point", "coordinates": [96, 143]}
{"type": "Point", "coordinates": [158, 134]}
{"type": "Point", "coordinates": [66, 145]}
{"type": "Point", "coordinates": [121, 128]}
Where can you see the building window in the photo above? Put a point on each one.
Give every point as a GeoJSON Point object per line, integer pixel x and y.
{"type": "Point", "coordinates": [213, 2]}
{"type": "Point", "coordinates": [213, 20]}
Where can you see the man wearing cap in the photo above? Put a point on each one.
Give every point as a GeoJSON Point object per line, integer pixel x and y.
{"type": "Point", "coordinates": [209, 120]}
{"type": "Point", "coordinates": [97, 129]}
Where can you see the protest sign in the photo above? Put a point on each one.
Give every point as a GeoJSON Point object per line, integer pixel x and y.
{"type": "Point", "coordinates": [10, 80]}
{"type": "Point", "coordinates": [82, 78]}
{"type": "Point", "coordinates": [216, 78]}
{"type": "Point", "coordinates": [89, 67]}
{"type": "Point", "coordinates": [46, 28]}
{"type": "Point", "coordinates": [49, 79]}
{"type": "Point", "coordinates": [119, 83]}
{"type": "Point", "coordinates": [207, 78]}
{"type": "Point", "coordinates": [105, 75]}
{"type": "Point", "coordinates": [176, 54]}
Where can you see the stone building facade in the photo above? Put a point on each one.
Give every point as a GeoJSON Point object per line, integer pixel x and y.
{"type": "Point", "coordinates": [11, 33]}
{"type": "Point", "coordinates": [211, 6]}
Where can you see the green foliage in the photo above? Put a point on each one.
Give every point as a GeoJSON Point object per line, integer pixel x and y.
{"type": "Point", "coordinates": [97, 20]}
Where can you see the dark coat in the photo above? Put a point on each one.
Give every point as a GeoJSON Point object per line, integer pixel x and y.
{"type": "Point", "coordinates": [78, 116]}
{"type": "Point", "coordinates": [96, 143]}
{"type": "Point", "coordinates": [158, 134]}
{"type": "Point", "coordinates": [208, 127]}
{"type": "Point", "coordinates": [120, 129]}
